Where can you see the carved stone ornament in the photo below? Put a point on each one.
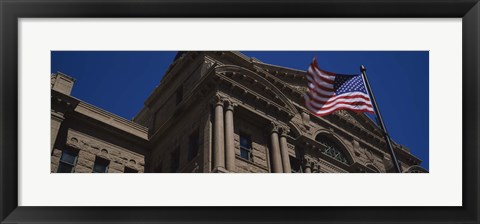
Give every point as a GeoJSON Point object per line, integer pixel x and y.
{"type": "Point", "coordinates": [345, 115]}
{"type": "Point", "coordinates": [305, 118]}
{"type": "Point", "coordinates": [284, 130]}
{"type": "Point", "coordinates": [307, 161]}
{"type": "Point", "coordinates": [218, 100]}
{"type": "Point", "coordinates": [301, 88]}
{"type": "Point", "coordinates": [356, 147]}
{"type": "Point", "coordinates": [230, 105]}
{"type": "Point", "coordinates": [275, 126]}
{"type": "Point", "coordinates": [370, 156]}
{"type": "Point", "coordinates": [342, 113]}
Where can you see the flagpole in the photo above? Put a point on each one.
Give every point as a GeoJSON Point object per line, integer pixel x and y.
{"type": "Point", "coordinates": [380, 120]}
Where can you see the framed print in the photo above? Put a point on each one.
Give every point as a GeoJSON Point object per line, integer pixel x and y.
{"type": "Point", "coordinates": [223, 111]}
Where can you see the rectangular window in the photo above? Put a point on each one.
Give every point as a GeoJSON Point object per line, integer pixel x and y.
{"type": "Point", "coordinates": [245, 147]}
{"type": "Point", "coordinates": [295, 165]}
{"type": "Point", "coordinates": [101, 165]}
{"type": "Point", "coordinates": [67, 162]}
{"type": "Point", "coordinates": [175, 162]}
{"type": "Point", "coordinates": [193, 145]}
{"type": "Point", "coordinates": [130, 170]}
{"type": "Point", "coordinates": [179, 95]}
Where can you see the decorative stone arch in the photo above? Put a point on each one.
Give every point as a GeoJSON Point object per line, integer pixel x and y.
{"type": "Point", "coordinates": [373, 167]}
{"type": "Point", "coordinates": [342, 147]}
{"type": "Point", "coordinates": [415, 169]}
{"type": "Point", "coordinates": [294, 129]}
{"type": "Point", "coordinates": [225, 69]}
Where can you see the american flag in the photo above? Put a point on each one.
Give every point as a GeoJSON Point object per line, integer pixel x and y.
{"type": "Point", "coordinates": [329, 92]}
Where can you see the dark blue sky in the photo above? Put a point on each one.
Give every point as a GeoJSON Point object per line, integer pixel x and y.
{"type": "Point", "coordinates": [120, 81]}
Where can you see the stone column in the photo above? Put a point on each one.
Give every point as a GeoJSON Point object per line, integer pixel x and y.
{"type": "Point", "coordinates": [284, 151]}
{"type": "Point", "coordinates": [276, 156]}
{"type": "Point", "coordinates": [308, 168]}
{"type": "Point", "coordinates": [308, 165]}
{"type": "Point", "coordinates": [316, 168]}
{"type": "Point", "coordinates": [229, 140]}
{"type": "Point", "coordinates": [218, 145]}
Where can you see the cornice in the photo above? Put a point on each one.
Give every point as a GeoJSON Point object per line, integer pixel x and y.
{"type": "Point", "coordinates": [101, 115]}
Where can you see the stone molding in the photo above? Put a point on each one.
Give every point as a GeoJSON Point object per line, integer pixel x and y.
{"type": "Point", "coordinates": [223, 70]}
{"type": "Point", "coordinates": [112, 120]}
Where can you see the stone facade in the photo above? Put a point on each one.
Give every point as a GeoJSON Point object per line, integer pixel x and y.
{"type": "Point", "coordinates": [90, 135]}
{"type": "Point", "coordinates": [220, 112]}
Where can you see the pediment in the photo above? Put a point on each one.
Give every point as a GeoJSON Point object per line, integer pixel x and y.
{"type": "Point", "coordinates": [254, 84]}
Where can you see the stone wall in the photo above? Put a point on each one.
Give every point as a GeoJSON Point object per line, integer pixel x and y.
{"type": "Point", "coordinates": [192, 119]}
{"type": "Point", "coordinates": [258, 135]}
{"type": "Point", "coordinates": [88, 148]}
{"type": "Point", "coordinates": [166, 104]}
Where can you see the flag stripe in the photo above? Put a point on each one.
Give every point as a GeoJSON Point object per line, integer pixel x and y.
{"type": "Point", "coordinates": [318, 74]}
{"type": "Point", "coordinates": [339, 107]}
{"type": "Point", "coordinates": [317, 86]}
{"type": "Point", "coordinates": [327, 105]}
{"type": "Point", "coordinates": [315, 65]}
{"type": "Point", "coordinates": [345, 96]}
{"type": "Point", "coordinates": [320, 91]}
{"type": "Point", "coordinates": [319, 82]}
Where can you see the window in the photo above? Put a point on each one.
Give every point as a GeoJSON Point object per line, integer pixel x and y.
{"type": "Point", "coordinates": [193, 145]}
{"type": "Point", "coordinates": [130, 170]}
{"type": "Point", "coordinates": [331, 149]}
{"type": "Point", "coordinates": [295, 164]}
{"type": "Point", "coordinates": [245, 147]}
{"type": "Point", "coordinates": [179, 95]}
{"type": "Point", "coordinates": [101, 165]}
{"type": "Point", "coordinates": [67, 162]}
{"type": "Point", "coordinates": [175, 162]}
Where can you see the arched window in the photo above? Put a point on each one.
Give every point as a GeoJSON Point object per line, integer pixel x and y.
{"type": "Point", "coordinates": [331, 149]}
{"type": "Point", "coordinates": [416, 169]}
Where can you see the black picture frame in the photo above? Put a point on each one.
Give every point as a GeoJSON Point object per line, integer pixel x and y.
{"type": "Point", "coordinates": [11, 11]}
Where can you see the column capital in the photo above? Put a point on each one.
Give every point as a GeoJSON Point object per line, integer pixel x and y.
{"type": "Point", "coordinates": [274, 126]}
{"type": "Point", "coordinates": [230, 105]}
{"type": "Point", "coordinates": [308, 162]}
{"type": "Point", "coordinates": [217, 100]}
{"type": "Point", "coordinates": [284, 131]}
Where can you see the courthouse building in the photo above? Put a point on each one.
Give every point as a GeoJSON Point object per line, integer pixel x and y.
{"type": "Point", "coordinates": [218, 112]}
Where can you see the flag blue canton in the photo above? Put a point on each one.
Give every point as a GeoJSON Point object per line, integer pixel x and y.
{"type": "Point", "coordinates": [348, 83]}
